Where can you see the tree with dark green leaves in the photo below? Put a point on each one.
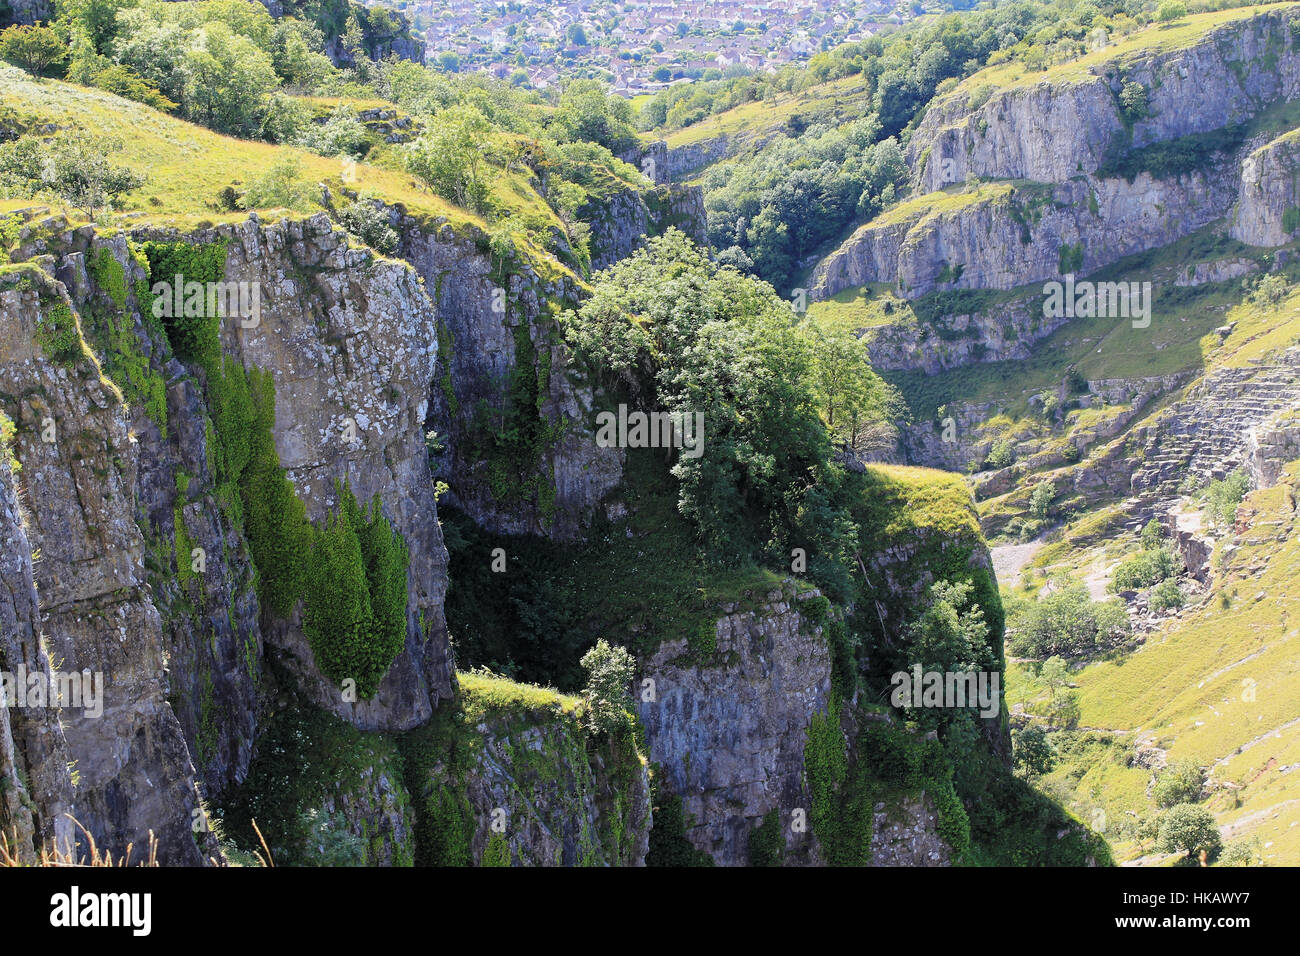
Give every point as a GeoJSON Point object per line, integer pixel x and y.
{"type": "Point", "coordinates": [1189, 829]}
{"type": "Point", "coordinates": [1032, 752]}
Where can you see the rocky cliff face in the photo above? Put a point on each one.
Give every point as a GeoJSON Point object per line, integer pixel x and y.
{"type": "Point", "coordinates": [495, 326]}
{"type": "Point", "coordinates": [729, 731]}
{"type": "Point", "coordinates": [997, 236]}
{"type": "Point", "coordinates": [1003, 236]}
{"type": "Point", "coordinates": [627, 218]}
{"type": "Point", "coordinates": [349, 341]}
{"type": "Point", "coordinates": [553, 797]}
{"type": "Point", "coordinates": [1268, 199]}
{"type": "Point", "coordinates": [120, 497]}
{"type": "Point", "coordinates": [1031, 130]}
{"type": "Point", "coordinates": [35, 785]}
{"type": "Point", "coordinates": [97, 615]}
{"type": "Point", "coordinates": [26, 11]}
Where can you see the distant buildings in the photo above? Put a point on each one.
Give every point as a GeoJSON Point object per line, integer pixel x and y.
{"type": "Point", "coordinates": [641, 46]}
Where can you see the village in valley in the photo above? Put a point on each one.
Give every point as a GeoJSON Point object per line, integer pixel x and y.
{"type": "Point", "coordinates": [640, 46]}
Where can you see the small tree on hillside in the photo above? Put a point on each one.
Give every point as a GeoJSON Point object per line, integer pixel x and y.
{"type": "Point", "coordinates": [1189, 829]}
{"type": "Point", "coordinates": [1032, 753]}
{"type": "Point", "coordinates": [1180, 782]}
{"type": "Point", "coordinates": [34, 48]}
{"type": "Point", "coordinates": [1170, 10]}
{"type": "Point", "coordinates": [75, 168]}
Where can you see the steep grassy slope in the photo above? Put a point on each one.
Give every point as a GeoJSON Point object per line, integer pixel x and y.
{"type": "Point", "coordinates": [1217, 685]}
{"type": "Point", "coordinates": [752, 122]}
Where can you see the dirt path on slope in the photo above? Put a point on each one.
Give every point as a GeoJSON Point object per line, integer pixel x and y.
{"type": "Point", "coordinates": [1008, 559]}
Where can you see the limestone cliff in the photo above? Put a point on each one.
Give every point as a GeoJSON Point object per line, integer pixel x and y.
{"type": "Point", "coordinates": [1030, 128]}
{"type": "Point", "coordinates": [80, 464]}
{"type": "Point", "coordinates": [1268, 200]}
{"type": "Point", "coordinates": [728, 731]}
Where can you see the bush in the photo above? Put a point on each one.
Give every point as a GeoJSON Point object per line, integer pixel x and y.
{"type": "Point", "coordinates": [354, 615]}
{"type": "Point", "coordinates": [609, 674]}
{"type": "Point", "coordinates": [1040, 501]}
{"type": "Point", "coordinates": [1143, 570]}
{"type": "Point", "coordinates": [75, 168]}
{"type": "Point", "coordinates": [1180, 782]}
{"type": "Point", "coordinates": [1133, 101]}
{"type": "Point", "coordinates": [1166, 595]}
{"type": "Point", "coordinates": [1170, 10]}
{"type": "Point", "coordinates": [280, 187]}
{"type": "Point", "coordinates": [1270, 290]}
{"type": "Point", "coordinates": [34, 48]}
{"type": "Point", "coordinates": [1032, 753]}
{"type": "Point", "coordinates": [1223, 497]}
{"type": "Point", "coordinates": [368, 221]}
{"type": "Point", "coordinates": [1066, 621]}
{"type": "Point", "coordinates": [766, 846]}
{"type": "Point", "coordinates": [1002, 454]}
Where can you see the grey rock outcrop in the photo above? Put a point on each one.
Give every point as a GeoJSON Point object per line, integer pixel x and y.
{"type": "Point", "coordinates": [1032, 130]}
{"type": "Point", "coordinates": [481, 317]}
{"type": "Point", "coordinates": [729, 733]}
{"type": "Point", "coordinates": [1269, 195]}
{"type": "Point", "coordinates": [35, 785]}
{"type": "Point", "coordinates": [96, 610]}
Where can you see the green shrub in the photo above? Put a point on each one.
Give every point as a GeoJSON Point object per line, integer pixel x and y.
{"type": "Point", "coordinates": [1166, 595]}
{"type": "Point", "coordinates": [1143, 570]}
{"type": "Point", "coordinates": [1223, 497]}
{"type": "Point", "coordinates": [1002, 454]}
{"type": "Point", "coordinates": [1180, 782]}
{"type": "Point", "coordinates": [1170, 10]}
{"type": "Point", "coordinates": [1153, 534]}
{"type": "Point", "coordinates": [766, 846]}
{"type": "Point", "coordinates": [609, 675]}
{"type": "Point", "coordinates": [1040, 500]}
{"type": "Point", "coordinates": [194, 338]}
{"type": "Point", "coordinates": [368, 221]}
{"type": "Point", "coordinates": [668, 843]}
{"type": "Point", "coordinates": [1067, 622]}
{"type": "Point", "coordinates": [1291, 219]}
{"type": "Point", "coordinates": [497, 851]}
{"type": "Point", "coordinates": [57, 332]}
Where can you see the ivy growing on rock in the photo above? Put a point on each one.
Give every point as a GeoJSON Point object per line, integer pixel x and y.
{"type": "Point", "coordinates": [354, 612]}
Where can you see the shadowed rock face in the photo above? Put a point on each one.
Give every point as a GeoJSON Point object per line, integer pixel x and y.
{"type": "Point", "coordinates": [481, 315]}
{"type": "Point", "coordinates": [730, 737]}
{"type": "Point", "coordinates": [35, 787]}
{"type": "Point", "coordinates": [96, 611]}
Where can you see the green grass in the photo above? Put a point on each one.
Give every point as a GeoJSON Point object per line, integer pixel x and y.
{"type": "Point", "coordinates": [1217, 685]}
{"type": "Point", "coordinates": [843, 99]}
{"type": "Point", "coordinates": [187, 166]}
{"type": "Point", "coordinates": [485, 695]}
